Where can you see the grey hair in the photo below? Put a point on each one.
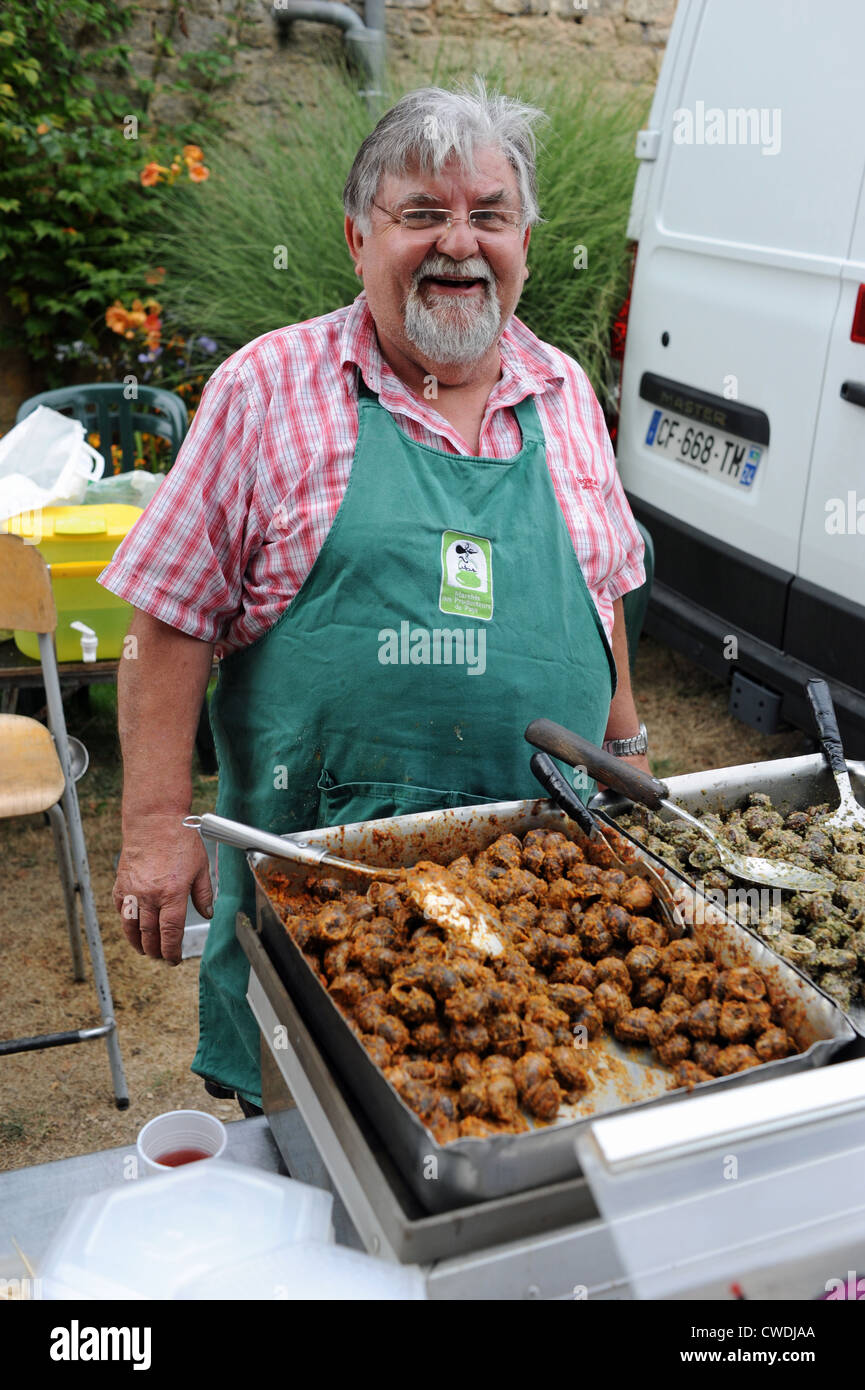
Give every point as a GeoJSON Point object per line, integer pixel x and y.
{"type": "Point", "coordinates": [427, 126]}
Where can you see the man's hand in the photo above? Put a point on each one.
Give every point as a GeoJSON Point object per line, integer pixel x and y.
{"type": "Point", "coordinates": [160, 865]}
{"type": "Point", "coordinates": [161, 862]}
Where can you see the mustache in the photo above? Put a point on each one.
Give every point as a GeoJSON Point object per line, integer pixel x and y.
{"type": "Point", "coordinates": [435, 264]}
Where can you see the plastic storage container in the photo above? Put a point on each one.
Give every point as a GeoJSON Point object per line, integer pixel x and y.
{"type": "Point", "coordinates": [78, 543]}
{"type": "Point", "coordinates": [309, 1272]}
{"type": "Point", "coordinates": [145, 1239]}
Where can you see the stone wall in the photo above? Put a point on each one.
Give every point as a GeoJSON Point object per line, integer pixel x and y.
{"type": "Point", "coordinates": [621, 40]}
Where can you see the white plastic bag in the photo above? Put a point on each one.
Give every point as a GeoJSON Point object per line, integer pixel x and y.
{"type": "Point", "coordinates": [45, 461]}
{"type": "Point", "coordinates": [135, 488]}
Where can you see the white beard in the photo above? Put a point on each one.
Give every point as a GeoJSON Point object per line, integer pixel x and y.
{"type": "Point", "coordinates": [453, 330]}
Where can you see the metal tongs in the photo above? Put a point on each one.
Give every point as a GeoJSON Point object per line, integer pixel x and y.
{"type": "Point", "coordinates": [567, 800]}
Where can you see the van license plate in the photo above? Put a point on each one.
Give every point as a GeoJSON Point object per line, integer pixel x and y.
{"type": "Point", "coordinates": [725, 456]}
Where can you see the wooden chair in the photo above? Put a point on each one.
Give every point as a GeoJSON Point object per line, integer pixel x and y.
{"type": "Point", "coordinates": [36, 775]}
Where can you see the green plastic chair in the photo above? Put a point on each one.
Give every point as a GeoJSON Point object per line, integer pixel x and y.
{"type": "Point", "coordinates": [636, 602]}
{"type": "Point", "coordinates": [103, 408]}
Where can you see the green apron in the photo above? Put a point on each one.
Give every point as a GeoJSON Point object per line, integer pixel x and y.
{"type": "Point", "coordinates": [445, 610]}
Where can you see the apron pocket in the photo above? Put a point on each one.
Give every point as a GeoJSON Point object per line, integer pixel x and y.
{"type": "Point", "coordinates": [342, 803]}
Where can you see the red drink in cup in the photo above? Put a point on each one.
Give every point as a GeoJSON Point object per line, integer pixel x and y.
{"type": "Point", "coordinates": [178, 1137]}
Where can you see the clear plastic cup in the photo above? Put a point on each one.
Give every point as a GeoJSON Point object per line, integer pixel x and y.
{"type": "Point", "coordinates": [179, 1137]}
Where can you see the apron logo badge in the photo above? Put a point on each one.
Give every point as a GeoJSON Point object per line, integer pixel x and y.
{"type": "Point", "coordinates": [467, 576]}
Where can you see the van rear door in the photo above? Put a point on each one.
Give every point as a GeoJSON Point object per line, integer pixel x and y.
{"type": "Point", "coordinates": [826, 612]}
{"type": "Point", "coordinates": [744, 225]}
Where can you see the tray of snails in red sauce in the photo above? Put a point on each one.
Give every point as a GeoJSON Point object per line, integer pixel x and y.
{"type": "Point", "coordinates": [510, 986]}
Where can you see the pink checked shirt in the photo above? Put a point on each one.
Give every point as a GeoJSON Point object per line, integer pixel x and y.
{"type": "Point", "coordinates": [235, 528]}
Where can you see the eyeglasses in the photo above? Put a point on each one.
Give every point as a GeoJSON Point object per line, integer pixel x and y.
{"type": "Point", "coordinates": [483, 221]}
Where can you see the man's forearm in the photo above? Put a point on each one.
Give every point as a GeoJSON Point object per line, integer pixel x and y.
{"type": "Point", "coordinates": [623, 721]}
{"type": "Point", "coordinates": [159, 697]}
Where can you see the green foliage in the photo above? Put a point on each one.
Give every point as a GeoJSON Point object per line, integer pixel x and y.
{"type": "Point", "coordinates": [220, 243]}
{"type": "Point", "coordinates": [209, 68]}
{"type": "Point", "coordinates": [72, 223]}
{"type": "Point", "coordinates": [586, 172]}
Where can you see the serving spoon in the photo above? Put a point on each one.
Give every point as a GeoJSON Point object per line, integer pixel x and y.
{"type": "Point", "coordinates": [463, 914]}
{"type": "Point", "coordinates": [247, 837]}
{"type": "Point", "coordinates": [648, 791]}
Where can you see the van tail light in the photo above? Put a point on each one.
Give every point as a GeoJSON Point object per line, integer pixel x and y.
{"type": "Point", "coordinates": [618, 334]}
{"type": "Point", "coordinates": [620, 322]}
{"type": "Point", "coordinates": [857, 332]}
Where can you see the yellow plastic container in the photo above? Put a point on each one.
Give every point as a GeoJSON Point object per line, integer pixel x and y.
{"type": "Point", "coordinates": [77, 543]}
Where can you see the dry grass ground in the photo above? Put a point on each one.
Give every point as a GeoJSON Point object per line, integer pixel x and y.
{"type": "Point", "coordinates": [57, 1103]}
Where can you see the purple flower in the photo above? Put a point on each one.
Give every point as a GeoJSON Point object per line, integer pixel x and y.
{"type": "Point", "coordinates": [206, 344]}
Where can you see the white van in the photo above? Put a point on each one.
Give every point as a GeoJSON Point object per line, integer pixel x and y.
{"type": "Point", "coordinates": [741, 439]}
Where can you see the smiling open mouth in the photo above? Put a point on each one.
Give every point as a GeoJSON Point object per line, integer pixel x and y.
{"type": "Point", "coordinates": [452, 282]}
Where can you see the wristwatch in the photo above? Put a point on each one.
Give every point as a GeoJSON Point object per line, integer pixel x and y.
{"type": "Point", "coordinates": [628, 747]}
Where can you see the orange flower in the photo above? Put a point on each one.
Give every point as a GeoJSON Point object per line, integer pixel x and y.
{"type": "Point", "coordinates": [155, 276]}
{"type": "Point", "coordinates": [198, 173]}
{"type": "Point", "coordinates": [153, 325]}
{"type": "Point", "coordinates": [175, 167]}
{"type": "Point", "coordinates": [70, 231]}
{"type": "Point", "coordinates": [43, 128]}
{"type": "Point", "coordinates": [152, 173]}
{"type": "Point", "coordinates": [192, 154]}
{"type": "Point", "coordinates": [116, 317]}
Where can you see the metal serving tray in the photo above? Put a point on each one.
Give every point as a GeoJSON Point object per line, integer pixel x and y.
{"type": "Point", "coordinates": [792, 783]}
{"type": "Point", "coordinates": [470, 1170]}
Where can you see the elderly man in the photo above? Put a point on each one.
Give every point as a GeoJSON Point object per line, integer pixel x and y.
{"type": "Point", "coordinates": [371, 508]}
